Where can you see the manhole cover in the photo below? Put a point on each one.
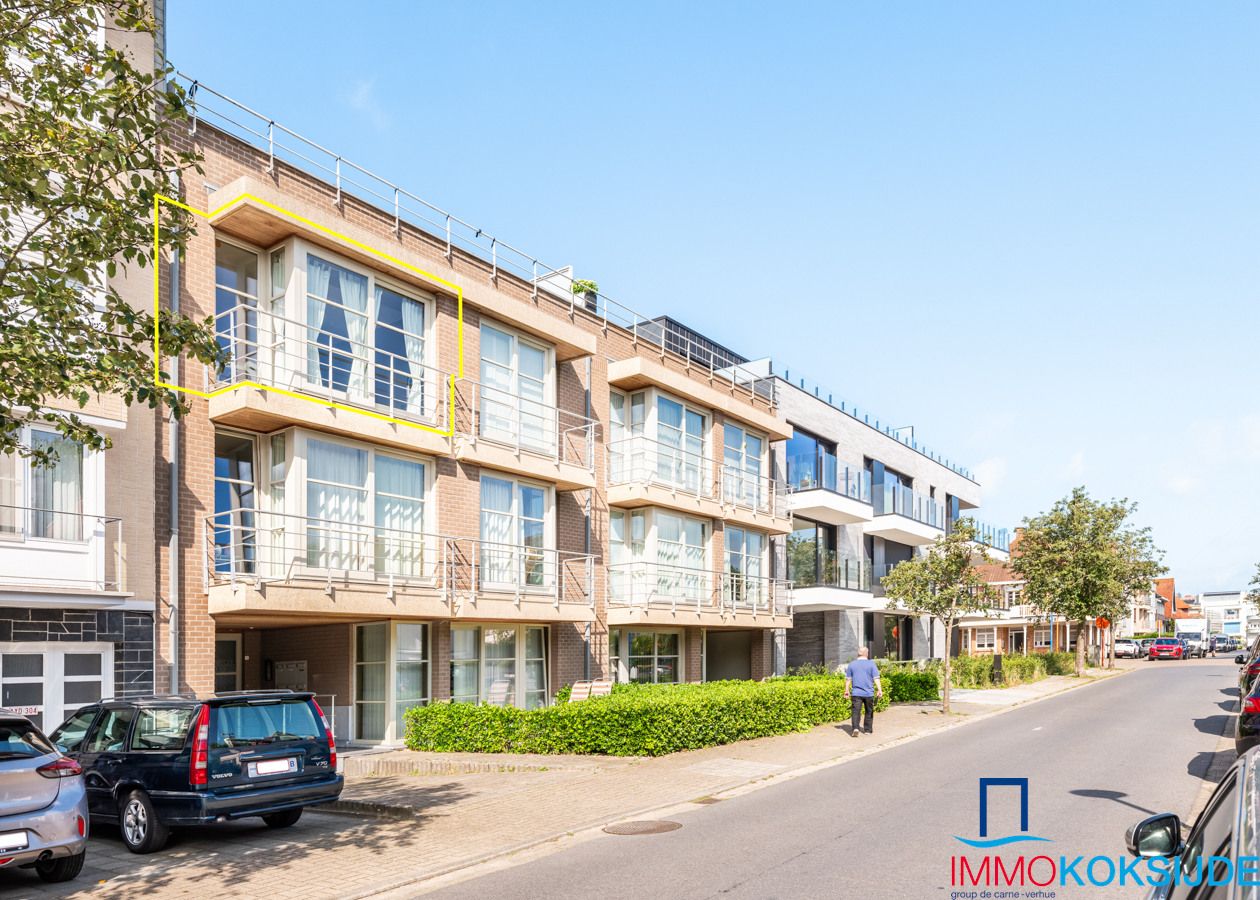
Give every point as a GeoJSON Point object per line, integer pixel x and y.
{"type": "Point", "coordinates": [649, 826]}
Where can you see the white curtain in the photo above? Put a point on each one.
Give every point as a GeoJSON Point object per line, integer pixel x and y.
{"type": "Point", "coordinates": [318, 276]}
{"type": "Point", "coordinates": [497, 531]}
{"type": "Point", "coordinates": [57, 490]}
{"type": "Point", "coordinates": [497, 418]}
{"type": "Point", "coordinates": [413, 339]}
{"type": "Point", "coordinates": [399, 516]}
{"type": "Point", "coordinates": [336, 494]}
{"type": "Point", "coordinates": [354, 289]}
{"type": "Point", "coordinates": [537, 426]}
{"type": "Point", "coordinates": [8, 494]}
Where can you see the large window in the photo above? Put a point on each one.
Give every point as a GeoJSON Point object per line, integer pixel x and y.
{"type": "Point", "coordinates": [236, 308]}
{"type": "Point", "coordinates": [515, 390]}
{"type": "Point", "coordinates": [649, 657]}
{"type": "Point", "coordinates": [680, 555]}
{"type": "Point", "coordinates": [680, 432]}
{"type": "Point", "coordinates": [1041, 638]}
{"type": "Point", "coordinates": [811, 554]}
{"type": "Point", "coordinates": [57, 489]}
{"type": "Point", "coordinates": [742, 462]}
{"type": "Point", "coordinates": [745, 554]}
{"type": "Point", "coordinates": [411, 670]}
{"type": "Point", "coordinates": [399, 373]}
{"type": "Point", "coordinates": [514, 533]}
{"type": "Point", "coordinates": [371, 680]}
{"type": "Point", "coordinates": [811, 462]}
{"type": "Point", "coordinates": [985, 638]}
{"type": "Point", "coordinates": [502, 665]}
{"type": "Point", "coordinates": [235, 504]}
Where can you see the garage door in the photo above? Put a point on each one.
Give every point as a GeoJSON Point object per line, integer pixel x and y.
{"type": "Point", "coordinates": [46, 682]}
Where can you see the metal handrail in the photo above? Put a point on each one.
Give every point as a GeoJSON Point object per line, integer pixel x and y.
{"type": "Point", "coordinates": [450, 233]}
{"type": "Point", "coordinates": [898, 499]}
{"type": "Point", "coordinates": [837, 572]}
{"type": "Point", "coordinates": [648, 584]}
{"type": "Point", "coordinates": [639, 459]}
{"type": "Point", "coordinates": [749, 490]}
{"type": "Point", "coordinates": [32, 529]}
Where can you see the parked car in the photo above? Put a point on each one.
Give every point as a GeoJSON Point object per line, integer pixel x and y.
{"type": "Point", "coordinates": [1146, 645]}
{"type": "Point", "coordinates": [1224, 835]}
{"type": "Point", "coordinates": [43, 807]}
{"type": "Point", "coordinates": [155, 763]}
{"type": "Point", "coordinates": [1196, 643]}
{"type": "Point", "coordinates": [1167, 648]}
{"type": "Point", "coordinates": [1250, 663]}
{"type": "Point", "coordinates": [1126, 648]}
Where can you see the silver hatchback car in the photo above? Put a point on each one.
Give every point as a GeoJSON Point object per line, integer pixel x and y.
{"type": "Point", "coordinates": [43, 806]}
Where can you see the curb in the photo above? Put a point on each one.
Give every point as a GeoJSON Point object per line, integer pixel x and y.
{"type": "Point", "coordinates": [443, 877]}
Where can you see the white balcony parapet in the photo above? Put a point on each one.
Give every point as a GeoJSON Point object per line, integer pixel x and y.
{"type": "Point", "coordinates": [44, 549]}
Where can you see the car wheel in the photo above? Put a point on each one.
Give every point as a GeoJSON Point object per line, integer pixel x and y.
{"type": "Point", "coordinates": [283, 819]}
{"type": "Point", "coordinates": [138, 821]}
{"type": "Point", "coordinates": [64, 868]}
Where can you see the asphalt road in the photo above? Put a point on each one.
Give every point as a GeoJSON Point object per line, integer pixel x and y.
{"type": "Point", "coordinates": [883, 826]}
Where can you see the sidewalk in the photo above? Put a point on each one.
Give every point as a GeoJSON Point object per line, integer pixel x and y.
{"type": "Point", "coordinates": [437, 813]}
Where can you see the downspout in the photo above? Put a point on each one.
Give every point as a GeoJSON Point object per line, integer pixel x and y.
{"type": "Point", "coordinates": [173, 568]}
{"type": "Point", "coordinates": [586, 670]}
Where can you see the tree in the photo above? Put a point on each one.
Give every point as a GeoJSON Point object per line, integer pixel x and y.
{"type": "Point", "coordinates": [1083, 559]}
{"type": "Point", "coordinates": [1253, 592]}
{"type": "Point", "coordinates": [84, 144]}
{"type": "Point", "coordinates": [944, 585]}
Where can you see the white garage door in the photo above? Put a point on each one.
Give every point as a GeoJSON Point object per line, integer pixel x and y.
{"type": "Point", "coordinates": [46, 682]}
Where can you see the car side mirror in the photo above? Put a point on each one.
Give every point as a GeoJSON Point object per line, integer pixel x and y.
{"type": "Point", "coordinates": [1239, 660]}
{"type": "Point", "coordinates": [1156, 836]}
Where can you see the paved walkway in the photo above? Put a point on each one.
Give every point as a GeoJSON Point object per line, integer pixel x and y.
{"type": "Point", "coordinates": [440, 812]}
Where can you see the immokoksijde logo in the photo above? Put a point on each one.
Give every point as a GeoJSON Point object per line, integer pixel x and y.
{"type": "Point", "coordinates": [992, 871]}
{"type": "Point", "coordinates": [984, 840]}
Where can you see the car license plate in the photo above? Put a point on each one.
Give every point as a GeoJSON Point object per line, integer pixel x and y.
{"type": "Point", "coordinates": [273, 766]}
{"type": "Point", "coordinates": [13, 840]}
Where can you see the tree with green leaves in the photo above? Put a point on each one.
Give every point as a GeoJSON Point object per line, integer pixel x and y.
{"type": "Point", "coordinates": [1253, 589]}
{"type": "Point", "coordinates": [84, 149]}
{"type": "Point", "coordinates": [944, 585]}
{"type": "Point", "coordinates": [1084, 559]}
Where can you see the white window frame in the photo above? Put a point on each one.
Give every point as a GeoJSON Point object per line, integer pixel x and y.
{"type": "Point", "coordinates": [54, 678]}
{"type": "Point", "coordinates": [635, 469]}
{"type": "Point", "coordinates": [394, 730]}
{"type": "Point", "coordinates": [762, 580]}
{"type": "Point", "coordinates": [549, 412]}
{"type": "Point", "coordinates": [734, 487]}
{"type": "Point", "coordinates": [235, 638]}
{"type": "Point", "coordinates": [91, 495]}
{"type": "Point", "coordinates": [1042, 638]}
{"type": "Point", "coordinates": [985, 638]}
{"type": "Point", "coordinates": [621, 658]}
{"type": "Point", "coordinates": [550, 555]}
{"type": "Point", "coordinates": [519, 690]}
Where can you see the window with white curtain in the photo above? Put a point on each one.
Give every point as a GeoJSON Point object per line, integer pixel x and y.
{"type": "Point", "coordinates": [515, 390]}
{"type": "Point", "coordinates": [365, 510]}
{"type": "Point", "coordinates": [742, 453]}
{"type": "Point", "coordinates": [399, 375]}
{"type": "Point", "coordinates": [627, 538]}
{"type": "Point", "coordinates": [336, 327]}
{"type": "Point", "coordinates": [513, 533]}
{"type": "Point", "coordinates": [745, 556]}
{"type": "Point", "coordinates": [57, 489]}
{"type": "Point", "coordinates": [986, 638]}
{"type": "Point", "coordinates": [9, 494]}
{"type": "Point", "coordinates": [1041, 638]}
{"type": "Point", "coordinates": [487, 662]}
{"type": "Point", "coordinates": [680, 433]}
{"type": "Point", "coordinates": [680, 556]}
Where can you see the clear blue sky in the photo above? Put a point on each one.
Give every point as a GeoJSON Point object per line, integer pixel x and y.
{"type": "Point", "coordinates": [1030, 230]}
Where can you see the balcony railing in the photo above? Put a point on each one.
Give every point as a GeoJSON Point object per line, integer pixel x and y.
{"type": "Point", "coordinates": [997, 538]}
{"type": "Point", "coordinates": [749, 490]}
{"type": "Point", "coordinates": [451, 234]}
{"type": "Point", "coordinates": [829, 476]}
{"type": "Point", "coordinates": [651, 585]}
{"type": "Point", "coordinates": [833, 572]}
{"type": "Point", "coordinates": [641, 460]}
{"type": "Point", "coordinates": [269, 349]}
{"type": "Point", "coordinates": [897, 499]}
{"type": "Point", "coordinates": [262, 547]}
{"type": "Point", "coordinates": [55, 548]}
{"type": "Point", "coordinates": [500, 417]}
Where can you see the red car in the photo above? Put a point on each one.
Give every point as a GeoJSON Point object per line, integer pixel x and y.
{"type": "Point", "coordinates": [1167, 648]}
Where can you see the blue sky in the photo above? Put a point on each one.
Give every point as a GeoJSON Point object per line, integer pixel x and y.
{"type": "Point", "coordinates": [1031, 231]}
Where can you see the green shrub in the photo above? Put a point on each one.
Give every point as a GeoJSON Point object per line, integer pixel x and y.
{"type": "Point", "coordinates": [909, 686]}
{"type": "Point", "coordinates": [638, 720]}
{"type": "Point", "coordinates": [971, 672]}
{"type": "Point", "coordinates": [1060, 662]}
{"type": "Point", "coordinates": [1022, 668]}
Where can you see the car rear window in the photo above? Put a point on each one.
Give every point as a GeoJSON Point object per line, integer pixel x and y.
{"type": "Point", "coordinates": [248, 724]}
{"type": "Point", "coordinates": [161, 729]}
{"type": "Point", "coordinates": [22, 740]}
{"type": "Point", "coordinates": [1167, 642]}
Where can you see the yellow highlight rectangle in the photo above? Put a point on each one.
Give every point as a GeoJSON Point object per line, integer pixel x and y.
{"type": "Point", "coordinates": [157, 367]}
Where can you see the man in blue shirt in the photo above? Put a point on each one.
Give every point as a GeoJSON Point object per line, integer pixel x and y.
{"type": "Point", "coordinates": [861, 688]}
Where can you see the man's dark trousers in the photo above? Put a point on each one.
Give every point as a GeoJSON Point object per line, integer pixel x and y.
{"type": "Point", "coordinates": [860, 703]}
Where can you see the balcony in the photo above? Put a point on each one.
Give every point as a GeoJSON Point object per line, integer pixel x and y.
{"type": "Point", "coordinates": [996, 541]}
{"type": "Point", "coordinates": [831, 583]}
{"type": "Point", "coordinates": [905, 516]}
{"type": "Point", "coordinates": [363, 391]}
{"type": "Point", "coordinates": [269, 565]}
{"type": "Point", "coordinates": [44, 551]}
{"type": "Point", "coordinates": [832, 494]}
{"type": "Point", "coordinates": [662, 594]}
{"type": "Point", "coordinates": [645, 472]}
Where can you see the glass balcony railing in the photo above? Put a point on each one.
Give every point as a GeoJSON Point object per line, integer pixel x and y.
{"type": "Point", "coordinates": [826, 569]}
{"type": "Point", "coordinates": [829, 476]}
{"type": "Point", "coordinates": [899, 500]}
{"type": "Point", "coordinates": [997, 538]}
{"type": "Point", "coordinates": [647, 585]}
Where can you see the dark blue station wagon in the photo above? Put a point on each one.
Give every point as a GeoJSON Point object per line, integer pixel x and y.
{"type": "Point", "coordinates": [150, 764]}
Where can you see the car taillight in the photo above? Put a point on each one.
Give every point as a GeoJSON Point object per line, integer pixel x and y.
{"type": "Point", "coordinates": [201, 749]}
{"type": "Point", "coordinates": [81, 824]}
{"type": "Point", "coordinates": [332, 743]}
{"type": "Point", "coordinates": [65, 767]}
{"type": "Point", "coordinates": [1254, 668]}
{"type": "Point", "coordinates": [1251, 706]}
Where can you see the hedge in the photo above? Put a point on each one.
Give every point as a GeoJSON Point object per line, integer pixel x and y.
{"type": "Point", "coordinates": [636, 720]}
{"type": "Point", "coordinates": [901, 684]}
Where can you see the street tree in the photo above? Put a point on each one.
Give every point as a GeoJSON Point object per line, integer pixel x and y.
{"type": "Point", "coordinates": [84, 150]}
{"type": "Point", "coordinates": [944, 585]}
{"type": "Point", "coordinates": [1083, 560]}
{"type": "Point", "coordinates": [1253, 589]}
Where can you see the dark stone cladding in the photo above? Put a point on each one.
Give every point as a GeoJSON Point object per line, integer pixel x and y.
{"type": "Point", "coordinates": [130, 632]}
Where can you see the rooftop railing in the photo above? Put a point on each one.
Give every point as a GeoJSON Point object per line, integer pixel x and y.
{"type": "Point", "coordinates": [450, 233]}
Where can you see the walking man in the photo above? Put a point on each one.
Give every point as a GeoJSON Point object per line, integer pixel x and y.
{"type": "Point", "coordinates": [861, 687]}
